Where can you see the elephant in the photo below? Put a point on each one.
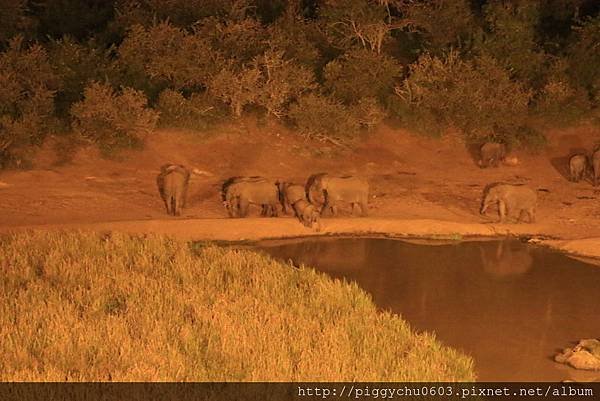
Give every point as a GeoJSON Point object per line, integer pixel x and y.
{"type": "Point", "coordinates": [307, 214]}
{"type": "Point", "coordinates": [289, 194]}
{"type": "Point", "coordinates": [578, 167]}
{"type": "Point", "coordinates": [314, 190]}
{"type": "Point", "coordinates": [238, 193]}
{"type": "Point", "coordinates": [172, 182]}
{"type": "Point", "coordinates": [596, 165]}
{"type": "Point", "coordinates": [491, 154]}
{"type": "Point", "coordinates": [349, 189]}
{"type": "Point", "coordinates": [511, 199]}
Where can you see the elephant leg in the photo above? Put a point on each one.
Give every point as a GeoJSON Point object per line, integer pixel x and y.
{"type": "Point", "coordinates": [502, 211]}
{"type": "Point", "coordinates": [243, 207]}
{"type": "Point", "coordinates": [531, 213]}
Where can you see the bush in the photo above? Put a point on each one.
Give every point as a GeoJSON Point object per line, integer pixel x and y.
{"type": "Point", "coordinates": [164, 56]}
{"type": "Point", "coordinates": [475, 96]}
{"type": "Point", "coordinates": [113, 119]}
{"type": "Point", "coordinates": [361, 74]}
{"type": "Point", "coordinates": [368, 113]}
{"type": "Point", "coordinates": [199, 111]}
{"type": "Point", "coordinates": [323, 118]}
{"type": "Point", "coordinates": [237, 87]}
{"type": "Point", "coordinates": [281, 81]}
{"type": "Point", "coordinates": [77, 65]}
{"type": "Point", "coordinates": [27, 86]}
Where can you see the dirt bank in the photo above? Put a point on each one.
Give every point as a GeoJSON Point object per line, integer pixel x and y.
{"type": "Point", "coordinates": [420, 186]}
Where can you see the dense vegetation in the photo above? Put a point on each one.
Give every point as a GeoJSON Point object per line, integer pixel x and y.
{"type": "Point", "coordinates": [90, 307]}
{"type": "Point", "coordinates": [109, 71]}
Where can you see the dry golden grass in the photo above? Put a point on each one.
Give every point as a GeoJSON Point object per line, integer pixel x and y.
{"type": "Point", "coordinates": [88, 307]}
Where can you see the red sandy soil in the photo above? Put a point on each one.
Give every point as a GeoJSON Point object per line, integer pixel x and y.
{"type": "Point", "coordinates": [419, 185]}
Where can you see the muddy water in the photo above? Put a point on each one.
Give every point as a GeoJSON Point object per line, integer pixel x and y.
{"type": "Point", "coordinates": [509, 305]}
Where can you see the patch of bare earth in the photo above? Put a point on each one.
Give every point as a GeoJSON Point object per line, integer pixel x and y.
{"type": "Point", "coordinates": [435, 183]}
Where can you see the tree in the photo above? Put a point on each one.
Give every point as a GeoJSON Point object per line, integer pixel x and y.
{"type": "Point", "coordinates": [443, 24]}
{"type": "Point", "coordinates": [361, 74]}
{"type": "Point", "coordinates": [357, 22]}
{"type": "Point", "coordinates": [513, 40]}
{"type": "Point", "coordinates": [27, 87]}
{"type": "Point", "coordinates": [13, 19]}
{"type": "Point", "coordinates": [281, 81]}
{"type": "Point", "coordinates": [167, 56]}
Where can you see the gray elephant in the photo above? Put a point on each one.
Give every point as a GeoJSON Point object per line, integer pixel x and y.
{"type": "Point", "coordinates": [596, 166]}
{"type": "Point", "coordinates": [172, 185]}
{"type": "Point", "coordinates": [348, 189]}
{"type": "Point", "coordinates": [289, 194]}
{"type": "Point", "coordinates": [491, 154]}
{"type": "Point", "coordinates": [238, 193]}
{"type": "Point", "coordinates": [308, 214]}
{"type": "Point", "coordinates": [511, 199]}
{"type": "Point", "coordinates": [314, 190]}
{"type": "Point", "coordinates": [577, 167]}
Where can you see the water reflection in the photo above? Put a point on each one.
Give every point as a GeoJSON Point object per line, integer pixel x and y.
{"type": "Point", "coordinates": [508, 259]}
{"type": "Point", "coordinates": [508, 305]}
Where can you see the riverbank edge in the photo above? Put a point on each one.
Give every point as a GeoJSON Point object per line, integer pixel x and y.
{"type": "Point", "coordinates": [260, 229]}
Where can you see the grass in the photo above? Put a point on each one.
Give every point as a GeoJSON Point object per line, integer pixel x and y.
{"type": "Point", "coordinates": [89, 307]}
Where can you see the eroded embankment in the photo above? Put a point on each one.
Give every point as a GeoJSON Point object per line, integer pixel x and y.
{"type": "Point", "coordinates": [254, 229]}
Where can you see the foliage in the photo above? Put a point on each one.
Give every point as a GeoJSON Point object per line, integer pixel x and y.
{"type": "Point", "coordinates": [323, 118]}
{"type": "Point", "coordinates": [113, 119]}
{"type": "Point", "coordinates": [443, 24]}
{"type": "Point", "coordinates": [513, 39]}
{"type": "Point", "coordinates": [476, 96]}
{"type": "Point", "coordinates": [167, 56]}
{"type": "Point", "coordinates": [368, 112]}
{"type": "Point", "coordinates": [361, 74]}
{"type": "Point", "coordinates": [27, 86]}
{"type": "Point", "coordinates": [281, 81]}
{"type": "Point", "coordinates": [77, 65]}
{"type": "Point", "coordinates": [13, 20]}
{"type": "Point", "coordinates": [90, 307]}
{"type": "Point", "coordinates": [199, 111]}
{"type": "Point", "coordinates": [357, 23]}
{"type": "Point", "coordinates": [237, 87]}
{"type": "Point", "coordinates": [583, 56]}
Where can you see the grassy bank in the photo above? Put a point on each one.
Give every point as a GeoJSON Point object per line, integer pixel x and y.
{"type": "Point", "coordinates": [80, 306]}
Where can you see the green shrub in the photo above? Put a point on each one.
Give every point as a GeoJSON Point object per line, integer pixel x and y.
{"type": "Point", "coordinates": [162, 56]}
{"type": "Point", "coordinates": [476, 96]}
{"type": "Point", "coordinates": [323, 118]}
{"type": "Point", "coordinates": [77, 65]}
{"type": "Point", "coordinates": [237, 87]}
{"type": "Point", "coordinates": [199, 111]}
{"type": "Point", "coordinates": [113, 119]}
{"type": "Point", "coordinates": [281, 81]}
{"type": "Point", "coordinates": [368, 112]}
{"type": "Point", "coordinates": [361, 74]}
{"type": "Point", "coordinates": [27, 87]}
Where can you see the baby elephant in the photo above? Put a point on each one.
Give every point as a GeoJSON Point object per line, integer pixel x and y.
{"type": "Point", "coordinates": [240, 192]}
{"type": "Point", "coordinates": [596, 166]}
{"type": "Point", "coordinates": [307, 214]}
{"type": "Point", "coordinates": [578, 167]}
{"type": "Point", "coordinates": [173, 185]}
{"type": "Point", "coordinates": [491, 154]}
{"type": "Point", "coordinates": [511, 199]}
{"type": "Point", "coordinates": [289, 194]}
{"type": "Point", "coordinates": [348, 189]}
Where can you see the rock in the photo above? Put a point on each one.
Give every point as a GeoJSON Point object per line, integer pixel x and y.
{"type": "Point", "coordinates": [511, 161]}
{"type": "Point", "coordinates": [4, 185]}
{"type": "Point", "coordinates": [585, 355]}
{"type": "Point", "coordinates": [202, 172]}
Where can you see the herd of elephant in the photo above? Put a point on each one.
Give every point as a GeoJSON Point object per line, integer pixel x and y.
{"type": "Point", "coordinates": [323, 193]}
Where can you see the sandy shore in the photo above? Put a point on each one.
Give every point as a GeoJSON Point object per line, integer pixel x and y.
{"type": "Point", "coordinates": [255, 229]}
